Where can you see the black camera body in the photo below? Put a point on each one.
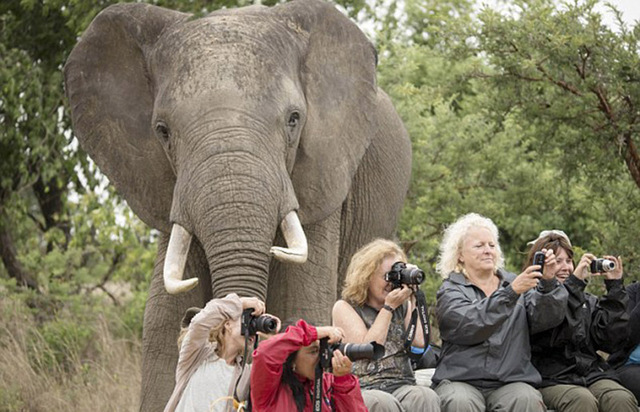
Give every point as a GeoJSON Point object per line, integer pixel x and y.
{"type": "Point", "coordinates": [354, 351]}
{"type": "Point", "coordinates": [538, 259]}
{"type": "Point", "coordinates": [602, 265]}
{"type": "Point", "coordinates": [400, 275]}
{"type": "Point", "coordinates": [251, 325]}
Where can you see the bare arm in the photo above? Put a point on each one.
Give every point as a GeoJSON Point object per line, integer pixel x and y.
{"type": "Point", "coordinates": [355, 331]}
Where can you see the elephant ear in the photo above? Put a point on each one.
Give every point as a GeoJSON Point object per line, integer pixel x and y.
{"type": "Point", "coordinates": [111, 96]}
{"type": "Point", "coordinates": [338, 76]}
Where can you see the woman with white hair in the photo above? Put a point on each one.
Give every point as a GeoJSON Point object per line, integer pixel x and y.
{"type": "Point", "coordinates": [485, 316]}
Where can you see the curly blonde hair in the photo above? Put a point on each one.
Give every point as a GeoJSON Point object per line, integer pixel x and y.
{"type": "Point", "coordinates": [454, 236]}
{"type": "Point", "coordinates": [363, 266]}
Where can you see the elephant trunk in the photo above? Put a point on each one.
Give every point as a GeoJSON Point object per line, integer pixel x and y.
{"type": "Point", "coordinates": [180, 241]}
{"type": "Point", "coordinates": [233, 203]}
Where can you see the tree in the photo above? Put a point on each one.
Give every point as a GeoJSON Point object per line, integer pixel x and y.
{"type": "Point", "coordinates": [564, 68]}
{"type": "Point", "coordinates": [484, 143]}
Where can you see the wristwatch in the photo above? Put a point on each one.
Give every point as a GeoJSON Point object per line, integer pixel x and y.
{"type": "Point", "coordinates": [387, 307]}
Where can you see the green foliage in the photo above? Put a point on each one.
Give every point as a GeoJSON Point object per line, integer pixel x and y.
{"type": "Point", "coordinates": [573, 76]}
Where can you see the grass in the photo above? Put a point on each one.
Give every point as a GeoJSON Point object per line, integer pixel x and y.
{"type": "Point", "coordinates": [60, 365]}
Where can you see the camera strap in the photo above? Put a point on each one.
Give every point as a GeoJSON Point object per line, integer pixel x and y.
{"type": "Point", "coordinates": [317, 385]}
{"type": "Point", "coordinates": [247, 403]}
{"type": "Point", "coordinates": [324, 362]}
{"type": "Point", "coordinates": [420, 311]}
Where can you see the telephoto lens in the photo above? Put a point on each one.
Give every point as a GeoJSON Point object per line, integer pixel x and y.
{"type": "Point", "coordinates": [602, 265]}
{"type": "Point", "coordinates": [356, 351]}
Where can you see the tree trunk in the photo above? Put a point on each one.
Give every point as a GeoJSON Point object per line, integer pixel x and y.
{"type": "Point", "coordinates": [50, 198]}
{"type": "Point", "coordinates": [11, 262]}
{"type": "Point", "coordinates": [632, 159]}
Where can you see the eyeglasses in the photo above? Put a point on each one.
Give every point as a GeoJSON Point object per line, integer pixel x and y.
{"type": "Point", "coordinates": [546, 233]}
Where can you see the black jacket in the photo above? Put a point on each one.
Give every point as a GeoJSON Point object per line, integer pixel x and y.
{"type": "Point", "coordinates": [567, 353]}
{"type": "Point", "coordinates": [485, 339]}
{"type": "Point", "coordinates": [620, 357]}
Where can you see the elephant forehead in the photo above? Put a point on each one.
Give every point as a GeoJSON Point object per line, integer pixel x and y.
{"type": "Point", "coordinates": [244, 53]}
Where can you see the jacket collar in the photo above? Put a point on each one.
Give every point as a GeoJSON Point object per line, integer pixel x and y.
{"type": "Point", "coordinates": [460, 279]}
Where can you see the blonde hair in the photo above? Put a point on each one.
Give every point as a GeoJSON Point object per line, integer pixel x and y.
{"type": "Point", "coordinates": [454, 236]}
{"type": "Point", "coordinates": [216, 336]}
{"type": "Point", "coordinates": [364, 264]}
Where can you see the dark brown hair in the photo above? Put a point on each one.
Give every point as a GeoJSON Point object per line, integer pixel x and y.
{"type": "Point", "coordinates": [551, 241]}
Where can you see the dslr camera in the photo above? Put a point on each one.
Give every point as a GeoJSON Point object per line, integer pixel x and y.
{"type": "Point", "coordinates": [602, 265]}
{"type": "Point", "coordinates": [354, 351]}
{"type": "Point", "coordinates": [400, 275]}
{"type": "Point", "coordinates": [251, 325]}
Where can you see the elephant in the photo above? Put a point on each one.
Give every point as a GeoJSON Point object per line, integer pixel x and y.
{"type": "Point", "coordinates": [256, 142]}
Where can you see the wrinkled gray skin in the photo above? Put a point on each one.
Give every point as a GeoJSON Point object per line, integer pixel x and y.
{"type": "Point", "coordinates": [191, 120]}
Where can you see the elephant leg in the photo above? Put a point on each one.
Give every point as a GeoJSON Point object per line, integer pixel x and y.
{"type": "Point", "coordinates": [308, 291]}
{"type": "Point", "coordinates": [373, 207]}
{"type": "Point", "coordinates": [162, 316]}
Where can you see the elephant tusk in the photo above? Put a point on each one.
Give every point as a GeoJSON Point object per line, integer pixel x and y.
{"type": "Point", "coordinates": [176, 260]}
{"type": "Point", "coordinates": [296, 252]}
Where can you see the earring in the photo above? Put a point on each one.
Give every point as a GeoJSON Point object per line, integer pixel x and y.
{"type": "Point", "coordinates": [293, 367]}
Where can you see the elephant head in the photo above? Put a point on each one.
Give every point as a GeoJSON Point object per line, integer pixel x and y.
{"type": "Point", "coordinates": [225, 127]}
{"type": "Point", "coordinates": [231, 133]}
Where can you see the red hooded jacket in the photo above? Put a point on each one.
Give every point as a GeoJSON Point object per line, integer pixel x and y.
{"type": "Point", "coordinates": [269, 393]}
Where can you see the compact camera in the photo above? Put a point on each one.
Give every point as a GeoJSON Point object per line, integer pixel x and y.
{"type": "Point", "coordinates": [353, 351]}
{"type": "Point", "coordinates": [251, 325]}
{"type": "Point", "coordinates": [400, 275]}
{"type": "Point", "coordinates": [602, 265]}
{"type": "Point", "coordinates": [538, 259]}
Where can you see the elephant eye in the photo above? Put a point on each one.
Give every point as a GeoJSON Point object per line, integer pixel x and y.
{"type": "Point", "coordinates": [294, 119]}
{"type": "Point", "coordinates": [162, 131]}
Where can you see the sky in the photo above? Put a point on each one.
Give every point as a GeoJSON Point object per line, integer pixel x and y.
{"type": "Point", "coordinates": [630, 11]}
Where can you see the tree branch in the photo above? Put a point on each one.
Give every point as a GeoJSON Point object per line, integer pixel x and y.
{"type": "Point", "coordinates": [117, 258]}
{"type": "Point", "coordinates": [564, 85]}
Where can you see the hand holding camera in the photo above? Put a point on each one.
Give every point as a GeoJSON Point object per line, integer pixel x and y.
{"type": "Point", "coordinates": [546, 259]}
{"type": "Point", "coordinates": [256, 304]}
{"type": "Point", "coordinates": [526, 280]}
{"type": "Point", "coordinates": [331, 333]}
{"type": "Point", "coordinates": [351, 351]}
{"type": "Point", "coordinates": [609, 266]}
{"type": "Point", "coordinates": [404, 279]}
{"type": "Point", "coordinates": [340, 364]}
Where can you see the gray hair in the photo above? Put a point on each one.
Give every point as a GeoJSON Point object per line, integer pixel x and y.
{"type": "Point", "coordinates": [454, 236]}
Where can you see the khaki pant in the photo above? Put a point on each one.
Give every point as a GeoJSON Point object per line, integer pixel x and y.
{"type": "Point", "coordinates": [629, 376]}
{"type": "Point", "coordinates": [603, 396]}
{"type": "Point", "coordinates": [512, 397]}
{"type": "Point", "coordinates": [409, 398]}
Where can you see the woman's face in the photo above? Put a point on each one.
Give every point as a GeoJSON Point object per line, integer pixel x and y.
{"type": "Point", "coordinates": [306, 360]}
{"type": "Point", "coordinates": [564, 265]}
{"type": "Point", "coordinates": [378, 287]}
{"type": "Point", "coordinates": [479, 252]}
{"type": "Point", "coordinates": [233, 338]}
